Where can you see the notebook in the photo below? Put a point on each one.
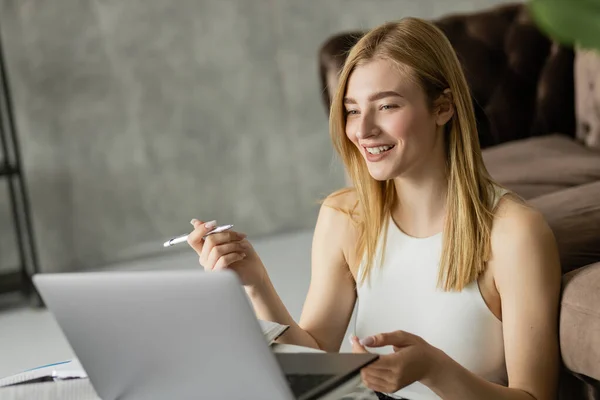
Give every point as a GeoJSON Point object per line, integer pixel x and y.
{"type": "Point", "coordinates": [64, 370]}
{"type": "Point", "coordinates": [79, 389]}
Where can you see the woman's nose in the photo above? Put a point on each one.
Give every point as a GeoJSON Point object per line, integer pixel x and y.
{"type": "Point", "coordinates": [367, 129]}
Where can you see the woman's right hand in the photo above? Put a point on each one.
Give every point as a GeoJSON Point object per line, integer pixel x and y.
{"type": "Point", "coordinates": [227, 249]}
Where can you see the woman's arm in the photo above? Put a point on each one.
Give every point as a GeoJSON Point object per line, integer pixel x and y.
{"type": "Point", "coordinates": [527, 273]}
{"type": "Point", "coordinates": [331, 295]}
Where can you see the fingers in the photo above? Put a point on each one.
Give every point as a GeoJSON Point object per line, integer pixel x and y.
{"type": "Point", "coordinates": [195, 239]}
{"type": "Point", "coordinates": [228, 259]}
{"type": "Point", "coordinates": [375, 382]}
{"type": "Point", "coordinates": [356, 346]}
{"type": "Point", "coordinates": [220, 254]}
{"type": "Point", "coordinates": [220, 244]}
{"type": "Point", "coordinates": [396, 338]}
{"type": "Point", "coordinates": [223, 237]}
{"type": "Point", "coordinates": [204, 245]}
{"type": "Point", "coordinates": [378, 340]}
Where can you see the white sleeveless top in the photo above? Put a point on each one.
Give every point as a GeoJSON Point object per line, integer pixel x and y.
{"type": "Point", "coordinates": [401, 294]}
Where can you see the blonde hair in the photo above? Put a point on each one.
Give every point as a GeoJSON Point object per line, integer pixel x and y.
{"type": "Point", "coordinates": [421, 46]}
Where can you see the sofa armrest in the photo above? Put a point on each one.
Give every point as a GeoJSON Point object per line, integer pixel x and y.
{"type": "Point", "coordinates": [580, 321]}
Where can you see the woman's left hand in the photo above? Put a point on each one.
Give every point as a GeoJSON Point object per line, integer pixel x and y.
{"type": "Point", "coordinates": [413, 360]}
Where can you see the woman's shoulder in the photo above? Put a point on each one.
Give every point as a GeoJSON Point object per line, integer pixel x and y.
{"type": "Point", "coordinates": [344, 200]}
{"type": "Point", "coordinates": [340, 212]}
{"type": "Point", "coordinates": [512, 213]}
{"type": "Point", "coordinates": [516, 222]}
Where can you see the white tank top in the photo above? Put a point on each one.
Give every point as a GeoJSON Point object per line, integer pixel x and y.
{"type": "Point", "coordinates": [401, 294]}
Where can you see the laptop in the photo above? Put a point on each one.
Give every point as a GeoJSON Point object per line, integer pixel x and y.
{"type": "Point", "coordinates": [182, 335]}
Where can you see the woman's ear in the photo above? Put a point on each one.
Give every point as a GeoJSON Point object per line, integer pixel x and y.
{"type": "Point", "coordinates": [444, 109]}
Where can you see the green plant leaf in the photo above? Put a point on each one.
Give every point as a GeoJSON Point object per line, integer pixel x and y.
{"type": "Point", "coordinates": [571, 22]}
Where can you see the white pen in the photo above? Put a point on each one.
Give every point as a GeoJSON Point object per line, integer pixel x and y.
{"type": "Point", "coordinates": [184, 238]}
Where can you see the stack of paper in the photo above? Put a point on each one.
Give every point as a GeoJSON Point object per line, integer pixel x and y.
{"type": "Point", "coordinates": [272, 330]}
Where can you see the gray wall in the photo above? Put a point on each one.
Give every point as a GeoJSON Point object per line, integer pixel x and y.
{"type": "Point", "coordinates": [136, 116]}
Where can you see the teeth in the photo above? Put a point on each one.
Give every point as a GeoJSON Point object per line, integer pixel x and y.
{"type": "Point", "coordinates": [377, 150]}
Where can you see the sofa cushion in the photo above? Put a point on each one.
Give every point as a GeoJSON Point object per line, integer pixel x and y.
{"type": "Point", "coordinates": [587, 96]}
{"type": "Point", "coordinates": [580, 321]}
{"type": "Point", "coordinates": [574, 216]}
{"type": "Point", "coordinates": [540, 165]}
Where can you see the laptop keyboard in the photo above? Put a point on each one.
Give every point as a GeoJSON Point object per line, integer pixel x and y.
{"type": "Point", "coordinates": [300, 383]}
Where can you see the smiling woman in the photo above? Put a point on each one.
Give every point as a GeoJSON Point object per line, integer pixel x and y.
{"type": "Point", "coordinates": [424, 210]}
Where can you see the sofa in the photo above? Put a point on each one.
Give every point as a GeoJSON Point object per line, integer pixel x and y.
{"type": "Point", "coordinates": [535, 143]}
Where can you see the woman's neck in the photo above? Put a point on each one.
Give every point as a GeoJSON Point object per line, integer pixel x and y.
{"type": "Point", "coordinates": [420, 206]}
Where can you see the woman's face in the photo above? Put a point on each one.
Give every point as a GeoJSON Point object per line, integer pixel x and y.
{"type": "Point", "coordinates": [389, 120]}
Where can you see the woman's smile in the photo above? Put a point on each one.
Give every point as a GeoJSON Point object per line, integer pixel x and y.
{"type": "Point", "coordinates": [377, 153]}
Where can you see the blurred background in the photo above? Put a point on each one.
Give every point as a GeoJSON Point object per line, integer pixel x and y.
{"type": "Point", "coordinates": [136, 116]}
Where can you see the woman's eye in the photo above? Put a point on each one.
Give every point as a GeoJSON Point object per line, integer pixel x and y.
{"type": "Point", "coordinates": [351, 112]}
{"type": "Point", "coordinates": [387, 106]}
